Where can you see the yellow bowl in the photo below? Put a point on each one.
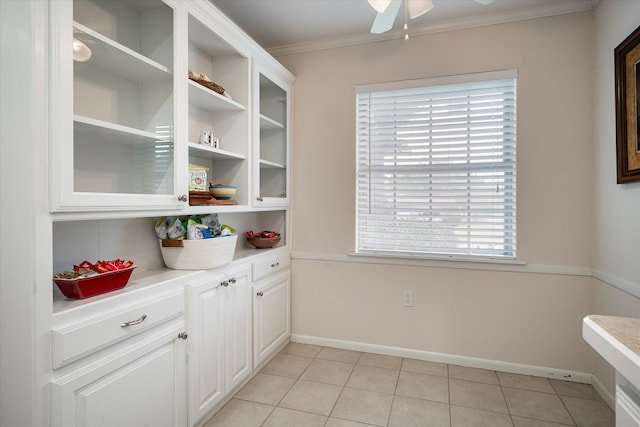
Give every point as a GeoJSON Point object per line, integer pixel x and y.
{"type": "Point", "coordinates": [223, 192]}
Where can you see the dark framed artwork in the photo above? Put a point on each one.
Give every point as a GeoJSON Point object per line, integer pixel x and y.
{"type": "Point", "coordinates": [627, 75]}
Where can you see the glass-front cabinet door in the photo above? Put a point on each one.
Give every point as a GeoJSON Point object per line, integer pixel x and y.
{"type": "Point", "coordinates": [272, 139]}
{"type": "Point", "coordinates": [113, 105]}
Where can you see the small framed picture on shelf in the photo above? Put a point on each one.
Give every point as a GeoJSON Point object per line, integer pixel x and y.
{"type": "Point", "coordinates": [627, 81]}
{"type": "Point", "coordinates": [207, 137]}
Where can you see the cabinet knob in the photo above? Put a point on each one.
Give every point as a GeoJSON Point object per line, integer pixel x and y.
{"type": "Point", "coordinates": [225, 284]}
{"type": "Point", "coordinates": [259, 199]}
{"type": "Point", "coordinates": [260, 293]}
{"type": "Point", "coordinates": [183, 198]}
{"type": "Point", "coordinates": [275, 264]}
{"type": "Point", "coordinates": [183, 335]}
{"type": "Point", "coordinates": [232, 280]}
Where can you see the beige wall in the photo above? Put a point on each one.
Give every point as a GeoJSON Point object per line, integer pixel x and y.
{"type": "Point", "coordinates": [616, 258]}
{"type": "Point", "coordinates": [519, 316]}
{"type": "Point", "coordinates": [531, 319]}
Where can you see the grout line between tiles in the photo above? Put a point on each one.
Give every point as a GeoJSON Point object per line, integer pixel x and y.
{"type": "Point", "coordinates": [449, 395]}
{"type": "Point", "coordinates": [575, 422]}
{"type": "Point", "coordinates": [505, 400]}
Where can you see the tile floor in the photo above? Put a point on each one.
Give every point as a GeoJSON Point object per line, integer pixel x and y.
{"type": "Point", "coordinates": [310, 386]}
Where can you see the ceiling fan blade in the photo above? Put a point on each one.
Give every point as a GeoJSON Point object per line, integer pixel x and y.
{"type": "Point", "coordinates": [419, 7]}
{"type": "Point", "coordinates": [384, 21]}
{"type": "Point", "coordinates": [379, 5]}
{"type": "Point", "coordinates": [484, 2]}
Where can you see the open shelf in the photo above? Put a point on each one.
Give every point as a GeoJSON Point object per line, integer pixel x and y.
{"type": "Point", "coordinates": [209, 100]}
{"type": "Point", "coordinates": [206, 152]}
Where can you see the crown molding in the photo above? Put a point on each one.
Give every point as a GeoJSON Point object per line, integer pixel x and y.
{"type": "Point", "coordinates": [541, 11]}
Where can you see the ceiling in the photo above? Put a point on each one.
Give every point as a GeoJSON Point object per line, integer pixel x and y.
{"type": "Point", "coordinates": [287, 26]}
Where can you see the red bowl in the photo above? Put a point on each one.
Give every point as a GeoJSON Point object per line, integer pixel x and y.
{"type": "Point", "coordinates": [85, 287]}
{"type": "Point", "coordinates": [263, 242]}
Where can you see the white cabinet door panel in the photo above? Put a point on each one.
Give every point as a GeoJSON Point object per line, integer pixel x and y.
{"type": "Point", "coordinates": [206, 340]}
{"type": "Point", "coordinates": [134, 395]}
{"type": "Point", "coordinates": [271, 315]}
{"type": "Point", "coordinates": [238, 326]}
{"type": "Point", "coordinates": [142, 384]}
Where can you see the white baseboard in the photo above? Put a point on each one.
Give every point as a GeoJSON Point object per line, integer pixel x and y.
{"type": "Point", "coordinates": [472, 362]}
{"type": "Point", "coordinates": [606, 395]}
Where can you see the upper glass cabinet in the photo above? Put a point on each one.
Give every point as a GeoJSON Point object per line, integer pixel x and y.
{"type": "Point", "coordinates": [271, 183]}
{"type": "Point", "coordinates": [114, 108]}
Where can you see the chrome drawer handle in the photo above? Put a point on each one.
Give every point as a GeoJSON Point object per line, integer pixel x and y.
{"type": "Point", "coordinates": [232, 280]}
{"type": "Point", "coordinates": [277, 264]}
{"type": "Point", "coordinates": [224, 284]}
{"type": "Point", "coordinates": [134, 322]}
{"type": "Point", "coordinates": [260, 293]}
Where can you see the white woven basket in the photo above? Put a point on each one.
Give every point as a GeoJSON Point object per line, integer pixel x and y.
{"type": "Point", "coordinates": [198, 254]}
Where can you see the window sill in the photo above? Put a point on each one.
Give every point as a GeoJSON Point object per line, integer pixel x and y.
{"type": "Point", "coordinates": [445, 258]}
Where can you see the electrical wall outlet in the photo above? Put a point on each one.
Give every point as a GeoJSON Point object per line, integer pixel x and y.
{"type": "Point", "coordinates": [407, 298]}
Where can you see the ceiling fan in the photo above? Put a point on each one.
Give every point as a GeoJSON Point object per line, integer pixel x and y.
{"type": "Point", "coordinates": [388, 9]}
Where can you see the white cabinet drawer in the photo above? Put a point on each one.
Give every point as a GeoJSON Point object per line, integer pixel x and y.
{"type": "Point", "coordinates": [270, 265]}
{"type": "Point", "coordinates": [84, 337]}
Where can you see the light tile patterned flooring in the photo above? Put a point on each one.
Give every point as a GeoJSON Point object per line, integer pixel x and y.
{"type": "Point", "coordinates": [309, 386]}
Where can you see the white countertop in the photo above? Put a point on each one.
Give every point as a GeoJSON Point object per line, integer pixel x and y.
{"type": "Point", "coordinates": [617, 340]}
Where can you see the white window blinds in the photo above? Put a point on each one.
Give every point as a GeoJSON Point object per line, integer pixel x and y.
{"type": "Point", "coordinates": [437, 167]}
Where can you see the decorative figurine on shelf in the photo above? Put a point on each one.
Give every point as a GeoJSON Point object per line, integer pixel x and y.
{"type": "Point", "coordinates": [204, 80]}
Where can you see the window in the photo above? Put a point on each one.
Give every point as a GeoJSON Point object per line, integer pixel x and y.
{"type": "Point", "coordinates": [437, 167]}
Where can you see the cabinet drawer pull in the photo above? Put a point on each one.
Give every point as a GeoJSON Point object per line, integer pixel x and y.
{"type": "Point", "coordinates": [224, 284]}
{"type": "Point", "coordinates": [183, 198]}
{"type": "Point", "coordinates": [260, 293]}
{"type": "Point", "coordinates": [134, 322]}
{"type": "Point", "coordinates": [183, 335]}
{"type": "Point", "coordinates": [277, 264]}
{"type": "Point", "coordinates": [232, 280]}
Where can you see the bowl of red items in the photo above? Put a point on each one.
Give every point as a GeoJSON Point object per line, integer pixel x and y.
{"type": "Point", "coordinates": [87, 279]}
{"type": "Point", "coordinates": [263, 239]}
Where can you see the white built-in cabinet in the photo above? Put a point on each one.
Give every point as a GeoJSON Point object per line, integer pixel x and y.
{"type": "Point", "coordinates": [127, 121]}
{"type": "Point", "coordinates": [219, 345]}
{"type": "Point", "coordinates": [120, 360]}
{"type": "Point", "coordinates": [171, 347]}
